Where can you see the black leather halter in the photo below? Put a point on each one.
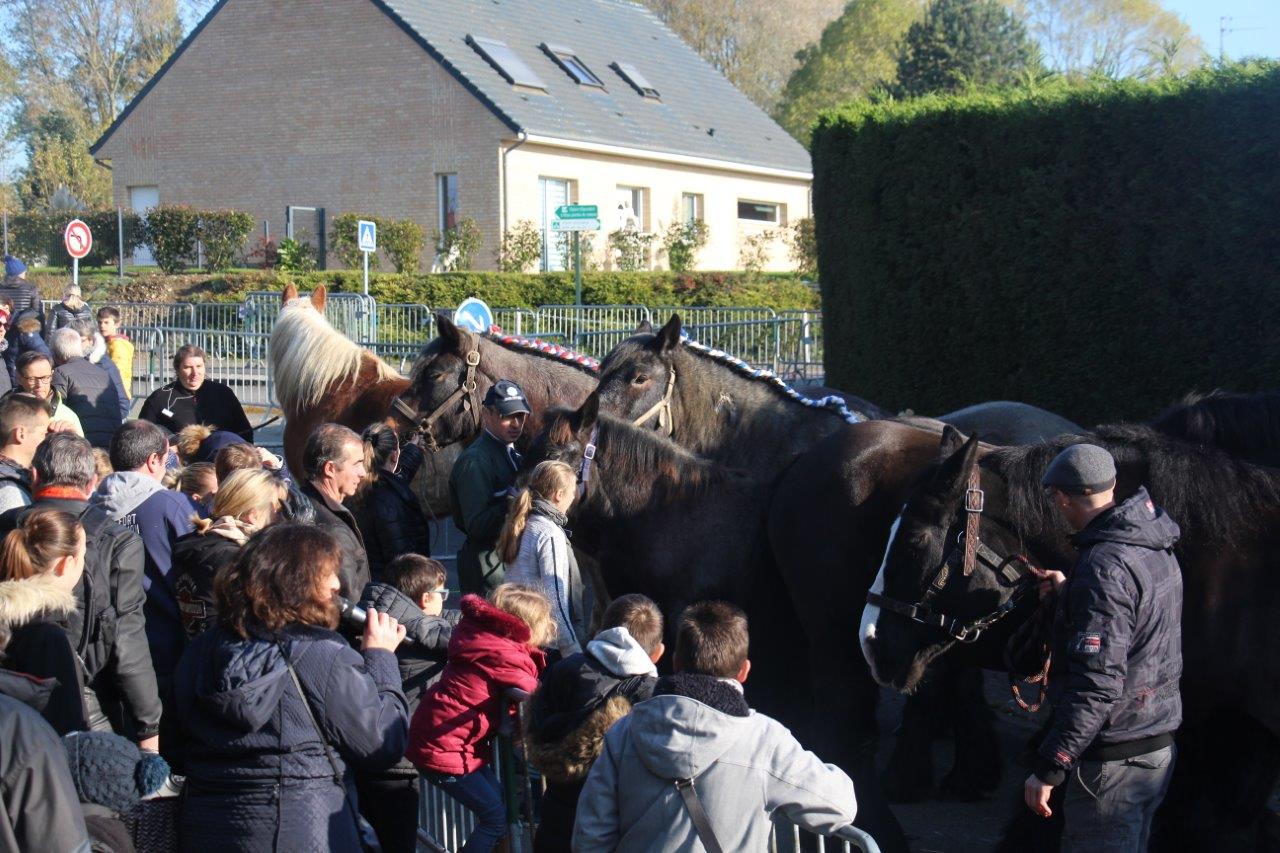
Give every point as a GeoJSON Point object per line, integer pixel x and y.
{"type": "Point", "coordinates": [968, 550]}
{"type": "Point", "coordinates": [466, 390]}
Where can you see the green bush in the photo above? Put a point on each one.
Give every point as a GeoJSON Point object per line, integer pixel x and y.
{"type": "Point", "coordinates": [456, 247]}
{"type": "Point", "coordinates": [1096, 250]}
{"type": "Point", "coordinates": [171, 232]}
{"type": "Point", "coordinates": [403, 239]}
{"type": "Point", "coordinates": [682, 242]}
{"type": "Point", "coordinates": [296, 256]}
{"type": "Point", "coordinates": [802, 246]}
{"type": "Point", "coordinates": [630, 249]}
{"type": "Point", "coordinates": [36, 238]}
{"type": "Point", "coordinates": [222, 234]}
{"type": "Point", "coordinates": [344, 241]}
{"type": "Point", "coordinates": [521, 247]}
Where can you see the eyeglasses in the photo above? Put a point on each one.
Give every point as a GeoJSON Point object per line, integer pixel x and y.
{"type": "Point", "coordinates": [442, 592]}
{"type": "Point", "coordinates": [38, 380]}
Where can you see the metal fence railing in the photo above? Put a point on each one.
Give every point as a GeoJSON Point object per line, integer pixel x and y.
{"type": "Point", "coordinates": [444, 825]}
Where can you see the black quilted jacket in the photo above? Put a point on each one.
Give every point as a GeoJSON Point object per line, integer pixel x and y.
{"type": "Point", "coordinates": [392, 522]}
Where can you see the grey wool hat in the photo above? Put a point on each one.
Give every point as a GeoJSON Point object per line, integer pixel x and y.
{"type": "Point", "coordinates": [1081, 469]}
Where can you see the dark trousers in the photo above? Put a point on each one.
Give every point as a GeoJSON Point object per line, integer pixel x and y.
{"type": "Point", "coordinates": [480, 792]}
{"type": "Point", "coordinates": [389, 802]}
{"type": "Point", "coordinates": [1108, 805]}
{"type": "Point", "coordinates": [559, 810]}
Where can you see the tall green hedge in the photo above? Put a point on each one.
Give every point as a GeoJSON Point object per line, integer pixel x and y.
{"type": "Point", "coordinates": [1098, 251]}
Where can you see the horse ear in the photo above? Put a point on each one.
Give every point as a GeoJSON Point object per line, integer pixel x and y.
{"type": "Point", "coordinates": [318, 297]}
{"type": "Point", "coordinates": [589, 412]}
{"type": "Point", "coordinates": [669, 335]}
{"type": "Point", "coordinates": [952, 476]}
{"type": "Point", "coordinates": [645, 328]}
{"type": "Point", "coordinates": [952, 440]}
{"type": "Point", "coordinates": [290, 294]}
{"type": "Point", "coordinates": [450, 335]}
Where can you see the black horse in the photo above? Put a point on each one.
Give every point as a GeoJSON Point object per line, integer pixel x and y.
{"type": "Point", "coordinates": [1229, 512]}
{"type": "Point", "coordinates": [1245, 425]}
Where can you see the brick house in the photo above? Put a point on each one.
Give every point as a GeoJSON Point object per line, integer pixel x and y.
{"type": "Point", "coordinates": [496, 110]}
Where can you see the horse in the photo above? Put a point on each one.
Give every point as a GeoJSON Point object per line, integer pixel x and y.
{"type": "Point", "coordinates": [1229, 512]}
{"type": "Point", "coordinates": [320, 376]}
{"type": "Point", "coordinates": [456, 370]}
{"type": "Point", "coordinates": [1001, 422]}
{"type": "Point", "coordinates": [1245, 425]}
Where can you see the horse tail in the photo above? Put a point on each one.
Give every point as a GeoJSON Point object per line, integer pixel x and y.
{"type": "Point", "coordinates": [513, 527]}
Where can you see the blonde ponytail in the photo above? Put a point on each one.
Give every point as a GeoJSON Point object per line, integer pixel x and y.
{"type": "Point", "coordinates": [513, 527]}
{"type": "Point", "coordinates": [15, 557]}
{"type": "Point", "coordinates": [548, 477]}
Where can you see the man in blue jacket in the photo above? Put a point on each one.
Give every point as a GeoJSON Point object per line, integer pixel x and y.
{"type": "Point", "coordinates": [1117, 660]}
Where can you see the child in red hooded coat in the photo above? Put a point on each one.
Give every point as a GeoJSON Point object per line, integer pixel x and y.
{"type": "Point", "coordinates": [497, 644]}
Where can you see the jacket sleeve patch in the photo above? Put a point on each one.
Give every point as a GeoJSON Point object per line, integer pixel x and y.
{"type": "Point", "coordinates": [1087, 644]}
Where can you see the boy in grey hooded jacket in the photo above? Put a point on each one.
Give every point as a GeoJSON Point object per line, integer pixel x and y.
{"type": "Point", "coordinates": [745, 767]}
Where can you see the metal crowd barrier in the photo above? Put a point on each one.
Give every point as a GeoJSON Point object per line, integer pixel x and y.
{"type": "Point", "coordinates": [444, 825]}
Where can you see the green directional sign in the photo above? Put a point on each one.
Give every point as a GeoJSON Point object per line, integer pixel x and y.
{"type": "Point", "coordinates": [577, 211]}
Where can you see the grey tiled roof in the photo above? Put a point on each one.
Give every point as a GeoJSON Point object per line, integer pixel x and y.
{"type": "Point", "coordinates": [695, 98]}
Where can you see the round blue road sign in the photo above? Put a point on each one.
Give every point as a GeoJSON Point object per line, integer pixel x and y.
{"type": "Point", "coordinates": [473, 315]}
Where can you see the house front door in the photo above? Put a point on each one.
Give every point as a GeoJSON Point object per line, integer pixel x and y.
{"type": "Point", "coordinates": [142, 199]}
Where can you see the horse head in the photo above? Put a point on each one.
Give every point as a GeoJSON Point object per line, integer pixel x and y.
{"type": "Point", "coordinates": [637, 374]}
{"type": "Point", "coordinates": [446, 386]}
{"type": "Point", "coordinates": [565, 435]}
{"type": "Point", "coordinates": [932, 591]}
{"type": "Point", "coordinates": [318, 298]}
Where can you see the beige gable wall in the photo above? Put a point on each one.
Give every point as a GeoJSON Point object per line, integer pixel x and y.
{"type": "Point", "coordinates": [327, 104]}
{"type": "Point", "coordinates": [596, 176]}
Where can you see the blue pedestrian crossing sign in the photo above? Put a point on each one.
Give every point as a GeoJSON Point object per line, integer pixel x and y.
{"type": "Point", "coordinates": [368, 236]}
{"type": "Point", "coordinates": [473, 315]}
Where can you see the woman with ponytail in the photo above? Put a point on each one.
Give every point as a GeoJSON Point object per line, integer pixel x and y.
{"type": "Point", "coordinates": [534, 544]}
{"type": "Point", "coordinates": [391, 521]}
{"type": "Point", "coordinates": [41, 562]}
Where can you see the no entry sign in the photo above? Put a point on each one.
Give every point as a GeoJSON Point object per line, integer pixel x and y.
{"type": "Point", "coordinates": [78, 239]}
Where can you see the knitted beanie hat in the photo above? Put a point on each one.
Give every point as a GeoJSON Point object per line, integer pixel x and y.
{"type": "Point", "coordinates": [13, 266]}
{"type": "Point", "coordinates": [112, 772]}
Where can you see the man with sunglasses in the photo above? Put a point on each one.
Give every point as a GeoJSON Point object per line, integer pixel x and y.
{"type": "Point", "coordinates": [1117, 659]}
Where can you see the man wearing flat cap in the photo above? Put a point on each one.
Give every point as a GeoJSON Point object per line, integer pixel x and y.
{"type": "Point", "coordinates": [481, 480]}
{"type": "Point", "coordinates": [1117, 659]}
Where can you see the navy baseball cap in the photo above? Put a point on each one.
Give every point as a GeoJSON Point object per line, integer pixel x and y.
{"type": "Point", "coordinates": [506, 398]}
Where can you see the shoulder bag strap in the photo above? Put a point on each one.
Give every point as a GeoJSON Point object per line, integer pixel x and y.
{"type": "Point", "coordinates": [701, 823]}
{"type": "Point", "coordinates": [311, 715]}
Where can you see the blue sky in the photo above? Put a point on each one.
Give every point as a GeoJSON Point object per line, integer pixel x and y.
{"type": "Point", "coordinates": [1256, 24]}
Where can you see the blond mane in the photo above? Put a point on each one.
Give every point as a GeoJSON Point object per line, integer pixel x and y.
{"type": "Point", "coordinates": [309, 357]}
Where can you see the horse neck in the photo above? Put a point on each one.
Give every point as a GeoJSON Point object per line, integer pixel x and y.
{"type": "Point", "coordinates": [719, 413]}
{"type": "Point", "coordinates": [546, 383]}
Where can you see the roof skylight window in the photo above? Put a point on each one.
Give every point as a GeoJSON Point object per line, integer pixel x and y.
{"type": "Point", "coordinates": [505, 61]}
{"type": "Point", "coordinates": [572, 65]}
{"type": "Point", "coordinates": [635, 79]}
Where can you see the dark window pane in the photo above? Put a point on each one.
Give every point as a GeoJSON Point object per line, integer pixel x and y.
{"type": "Point", "coordinates": [758, 211]}
{"type": "Point", "coordinates": [506, 62]}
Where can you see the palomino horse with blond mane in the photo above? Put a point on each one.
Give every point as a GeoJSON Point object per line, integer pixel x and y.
{"type": "Point", "coordinates": [320, 376]}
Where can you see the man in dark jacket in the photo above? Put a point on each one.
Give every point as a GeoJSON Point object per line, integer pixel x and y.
{"type": "Point", "coordinates": [39, 808]}
{"type": "Point", "coordinates": [86, 388]}
{"type": "Point", "coordinates": [135, 497]}
{"type": "Point", "coordinates": [333, 464]}
{"type": "Point", "coordinates": [24, 421]}
{"type": "Point", "coordinates": [579, 699]}
{"type": "Point", "coordinates": [479, 483]}
{"type": "Point", "coordinates": [22, 293]}
{"type": "Point", "coordinates": [1117, 655]}
{"type": "Point", "coordinates": [412, 592]}
{"type": "Point", "coordinates": [108, 631]}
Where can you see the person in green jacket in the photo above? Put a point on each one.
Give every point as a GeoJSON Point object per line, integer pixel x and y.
{"type": "Point", "coordinates": [481, 482]}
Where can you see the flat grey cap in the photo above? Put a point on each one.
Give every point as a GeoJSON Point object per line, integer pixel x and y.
{"type": "Point", "coordinates": [1081, 469]}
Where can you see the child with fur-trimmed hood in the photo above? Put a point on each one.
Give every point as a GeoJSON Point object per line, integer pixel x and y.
{"type": "Point", "coordinates": [579, 699]}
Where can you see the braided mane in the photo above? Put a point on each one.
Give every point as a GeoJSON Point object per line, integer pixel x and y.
{"type": "Point", "coordinates": [544, 349]}
{"type": "Point", "coordinates": [833, 404]}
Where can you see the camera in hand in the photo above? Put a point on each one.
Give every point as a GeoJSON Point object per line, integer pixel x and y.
{"type": "Point", "coordinates": [351, 613]}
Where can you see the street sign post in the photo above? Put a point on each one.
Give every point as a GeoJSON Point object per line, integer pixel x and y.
{"type": "Point", "coordinates": [79, 240]}
{"type": "Point", "coordinates": [367, 241]}
{"type": "Point", "coordinates": [576, 218]}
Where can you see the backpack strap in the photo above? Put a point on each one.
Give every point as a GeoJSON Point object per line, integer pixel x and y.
{"type": "Point", "coordinates": [701, 823]}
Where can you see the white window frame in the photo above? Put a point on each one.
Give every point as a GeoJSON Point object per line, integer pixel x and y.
{"type": "Point", "coordinates": [779, 212]}
{"type": "Point", "coordinates": [699, 204]}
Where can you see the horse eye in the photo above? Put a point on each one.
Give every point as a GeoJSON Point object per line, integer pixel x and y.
{"type": "Point", "coordinates": [639, 379]}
